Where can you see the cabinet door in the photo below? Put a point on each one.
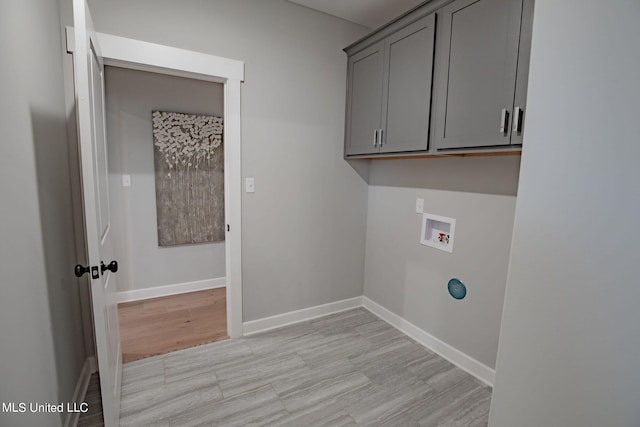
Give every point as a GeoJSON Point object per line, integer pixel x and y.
{"type": "Point", "coordinates": [522, 78]}
{"type": "Point", "coordinates": [477, 73]}
{"type": "Point", "coordinates": [364, 100]}
{"type": "Point", "coordinates": [407, 87]}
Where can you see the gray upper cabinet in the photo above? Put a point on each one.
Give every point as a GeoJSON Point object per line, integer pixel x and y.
{"type": "Point", "coordinates": [472, 54]}
{"type": "Point", "coordinates": [522, 77]}
{"type": "Point", "coordinates": [364, 108]}
{"type": "Point", "coordinates": [477, 70]}
{"type": "Point", "coordinates": [389, 92]}
{"type": "Point", "coordinates": [407, 91]}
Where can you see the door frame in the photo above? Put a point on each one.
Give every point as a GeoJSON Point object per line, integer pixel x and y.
{"type": "Point", "coordinates": [144, 56]}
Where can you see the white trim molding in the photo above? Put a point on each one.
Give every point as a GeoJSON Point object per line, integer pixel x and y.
{"type": "Point", "coordinates": [280, 320]}
{"type": "Point", "coordinates": [453, 355]}
{"type": "Point", "coordinates": [80, 391]}
{"type": "Point", "coordinates": [233, 205]}
{"type": "Point", "coordinates": [144, 56]}
{"type": "Point", "coordinates": [163, 291]}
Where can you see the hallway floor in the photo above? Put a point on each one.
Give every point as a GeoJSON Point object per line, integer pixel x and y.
{"type": "Point", "coordinates": [161, 325]}
{"type": "Point", "coordinates": [346, 369]}
{"type": "Point", "coordinates": [93, 417]}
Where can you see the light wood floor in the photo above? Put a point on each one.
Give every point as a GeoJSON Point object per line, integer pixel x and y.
{"type": "Point", "coordinates": [161, 325]}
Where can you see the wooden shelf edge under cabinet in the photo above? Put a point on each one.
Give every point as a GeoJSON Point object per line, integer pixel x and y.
{"type": "Point", "coordinates": [511, 151]}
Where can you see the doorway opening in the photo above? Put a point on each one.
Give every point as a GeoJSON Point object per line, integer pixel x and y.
{"type": "Point", "coordinates": [166, 173]}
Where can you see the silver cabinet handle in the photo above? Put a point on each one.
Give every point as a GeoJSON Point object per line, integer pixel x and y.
{"type": "Point", "coordinates": [504, 121]}
{"type": "Point", "coordinates": [375, 138]}
{"type": "Point", "coordinates": [517, 119]}
{"type": "Point", "coordinates": [381, 137]}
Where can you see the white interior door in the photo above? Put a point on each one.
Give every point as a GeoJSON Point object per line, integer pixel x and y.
{"type": "Point", "coordinates": [90, 110]}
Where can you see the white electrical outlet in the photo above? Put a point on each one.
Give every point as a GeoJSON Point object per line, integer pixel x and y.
{"type": "Point", "coordinates": [126, 180]}
{"type": "Point", "coordinates": [250, 185]}
{"type": "Point", "coordinates": [419, 206]}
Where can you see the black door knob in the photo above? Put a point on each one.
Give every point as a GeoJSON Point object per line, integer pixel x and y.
{"type": "Point", "coordinates": [79, 270]}
{"type": "Point", "coordinates": [112, 267]}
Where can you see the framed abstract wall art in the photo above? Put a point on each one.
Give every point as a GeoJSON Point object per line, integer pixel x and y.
{"type": "Point", "coordinates": [189, 176]}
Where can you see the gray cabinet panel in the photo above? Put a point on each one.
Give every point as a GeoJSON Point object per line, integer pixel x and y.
{"type": "Point", "coordinates": [522, 78]}
{"type": "Point", "coordinates": [407, 87]}
{"type": "Point", "coordinates": [364, 100]}
{"type": "Point", "coordinates": [477, 72]}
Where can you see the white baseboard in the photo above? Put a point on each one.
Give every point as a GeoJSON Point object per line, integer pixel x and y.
{"type": "Point", "coordinates": [280, 320]}
{"type": "Point", "coordinates": [80, 392]}
{"type": "Point", "coordinates": [453, 355]}
{"type": "Point", "coordinates": [163, 291]}
{"type": "Point", "coordinates": [93, 364]}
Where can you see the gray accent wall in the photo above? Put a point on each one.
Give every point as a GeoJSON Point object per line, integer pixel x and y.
{"type": "Point", "coordinates": [131, 95]}
{"type": "Point", "coordinates": [411, 279]}
{"type": "Point", "coordinates": [304, 227]}
{"type": "Point", "coordinates": [569, 349]}
{"type": "Point", "coordinates": [42, 349]}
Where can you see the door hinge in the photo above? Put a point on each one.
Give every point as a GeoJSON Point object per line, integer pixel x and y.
{"type": "Point", "coordinates": [70, 41]}
{"type": "Point", "coordinates": [228, 227]}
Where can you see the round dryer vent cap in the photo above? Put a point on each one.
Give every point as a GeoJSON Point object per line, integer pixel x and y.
{"type": "Point", "coordinates": [457, 289]}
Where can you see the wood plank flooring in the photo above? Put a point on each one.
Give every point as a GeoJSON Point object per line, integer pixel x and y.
{"type": "Point", "coordinates": [347, 369]}
{"type": "Point", "coordinates": [161, 325]}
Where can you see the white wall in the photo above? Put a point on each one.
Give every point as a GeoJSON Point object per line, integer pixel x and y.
{"type": "Point", "coordinates": [569, 349]}
{"type": "Point", "coordinates": [130, 97]}
{"type": "Point", "coordinates": [304, 228]}
{"type": "Point", "coordinates": [42, 349]}
{"type": "Point", "coordinates": [411, 279]}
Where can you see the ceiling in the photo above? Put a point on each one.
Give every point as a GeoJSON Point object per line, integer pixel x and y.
{"type": "Point", "coordinates": [370, 13]}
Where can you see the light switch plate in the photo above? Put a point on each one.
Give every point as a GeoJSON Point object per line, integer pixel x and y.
{"type": "Point", "coordinates": [250, 186]}
{"type": "Point", "coordinates": [126, 180]}
{"type": "Point", "coordinates": [419, 206]}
